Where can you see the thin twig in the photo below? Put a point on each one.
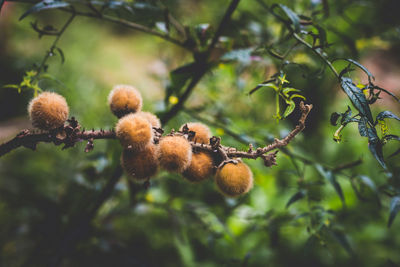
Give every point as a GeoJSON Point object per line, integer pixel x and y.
{"type": "Point", "coordinates": [53, 46]}
{"type": "Point", "coordinates": [130, 25]}
{"type": "Point", "coordinates": [222, 25]}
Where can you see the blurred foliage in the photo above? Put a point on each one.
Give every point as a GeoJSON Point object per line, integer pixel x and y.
{"type": "Point", "coordinates": [318, 207]}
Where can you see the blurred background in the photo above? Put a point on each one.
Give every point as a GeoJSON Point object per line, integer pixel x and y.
{"type": "Point", "coordinates": [48, 197]}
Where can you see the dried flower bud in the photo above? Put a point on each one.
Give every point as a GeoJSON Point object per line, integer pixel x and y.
{"type": "Point", "coordinates": [234, 179]}
{"type": "Point", "coordinates": [48, 111]}
{"type": "Point", "coordinates": [141, 165]}
{"type": "Point", "coordinates": [200, 168]}
{"type": "Point", "coordinates": [124, 99]}
{"type": "Point", "coordinates": [134, 132]}
{"type": "Point", "coordinates": [203, 133]}
{"type": "Point", "coordinates": [175, 153]}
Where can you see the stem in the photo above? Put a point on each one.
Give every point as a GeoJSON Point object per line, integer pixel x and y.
{"type": "Point", "coordinates": [49, 52]}
{"type": "Point", "coordinates": [227, 16]}
{"type": "Point", "coordinates": [327, 62]}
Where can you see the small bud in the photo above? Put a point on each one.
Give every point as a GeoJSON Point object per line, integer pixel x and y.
{"type": "Point", "coordinates": [48, 111]}
{"type": "Point", "coordinates": [124, 99]}
{"type": "Point", "coordinates": [202, 132]}
{"type": "Point", "coordinates": [175, 153]}
{"type": "Point", "coordinates": [134, 132]}
{"type": "Point", "coordinates": [234, 179]}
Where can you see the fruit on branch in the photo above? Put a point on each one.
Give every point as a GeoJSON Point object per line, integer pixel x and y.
{"type": "Point", "coordinates": [200, 168]}
{"type": "Point", "coordinates": [203, 133]}
{"type": "Point", "coordinates": [154, 121]}
{"type": "Point", "coordinates": [134, 132]}
{"type": "Point", "coordinates": [141, 165]}
{"type": "Point", "coordinates": [175, 153]}
{"type": "Point", "coordinates": [124, 99]}
{"type": "Point", "coordinates": [234, 179]}
{"type": "Point", "coordinates": [48, 111]}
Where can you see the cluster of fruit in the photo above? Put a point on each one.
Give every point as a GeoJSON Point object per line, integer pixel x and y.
{"type": "Point", "coordinates": [145, 150]}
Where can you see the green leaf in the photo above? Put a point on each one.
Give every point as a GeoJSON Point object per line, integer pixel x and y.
{"type": "Point", "coordinates": [341, 238]}
{"type": "Point", "coordinates": [391, 137]}
{"type": "Point", "coordinates": [290, 108]}
{"type": "Point", "coordinates": [329, 175]}
{"type": "Point", "coordinates": [287, 90]}
{"type": "Point", "coordinates": [394, 209]}
{"type": "Point", "coordinates": [181, 75]}
{"type": "Point", "coordinates": [376, 150]}
{"type": "Point", "coordinates": [334, 118]}
{"type": "Point", "coordinates": [294, 18]}
{"type": "Point", "coordinates": [46, 4]}
{"type": "Point", "coordinates": [386, 115]}
{"type": "Point", "coordinates": [269, 85]}
{"type": "Point", "coordinates": [299, 195]}
{"type": "Point", "coordinates": [357, 98]}
{"type": "Point", "coordinates": [298, 96]}
{"type": "Point", "coordinates": [368, 182]}
{"type": "Point", "coordinates": [15, 86]}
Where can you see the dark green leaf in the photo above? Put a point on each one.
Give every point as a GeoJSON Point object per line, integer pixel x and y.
{"type": "Point", "coordinates": [46, 4]}
{"type": "Point", "coordinates": [366, 131]}
{"type": "Point", "coordinates": [386, 114]}
{"type": "Point", "coordinates": [391, 137]}
{"type": "Point", "coordinates": [357, 98]}
{"type": "Point", "coordinates": [180, 75]}
{"type": "Point", "coordinates": [299, 195]}
{"type": "Point", "coordinates": [292, 16]}
{"type": "Point", "coordinates": [368, 182]}
{"type": "Point", "coordinates": [328, 175]}
{"type": "Point", "coordinates": [341, 238]}
{"type": "Point", "coordinates": [394, 209]}
{"type": "Point", "coordinates": [376, 150]}
{"type": "Point", "coordinates": [334, 118]}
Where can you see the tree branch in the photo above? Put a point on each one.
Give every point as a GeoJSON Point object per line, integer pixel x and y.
{"type": "Point", "coordinates": [70, 134]}
{"type": "Point", "coordinates": [203, 66]}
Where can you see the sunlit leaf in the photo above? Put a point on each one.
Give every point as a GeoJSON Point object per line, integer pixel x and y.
{"type": "Point", "coordinates": [290, 108]}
